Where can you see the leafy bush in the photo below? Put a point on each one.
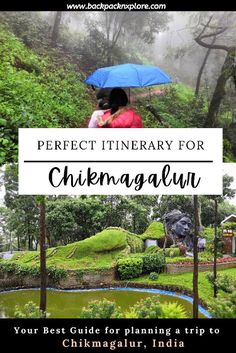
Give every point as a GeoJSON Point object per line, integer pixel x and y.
{"type": "Point", "coordinates": [153, 262]}
{"type": "Point", "coordinates": [224, 307]}
{"type": "Point", "coordinates": [208, 233]}
{"type": "Point", "coordinates": [205, 256]}
{"type": "Point", "coordinates": [104, 309]}
{"type": "Point", "coordinates": [151, 308]}
{"type": "Point", "coordinates": [56, 274]}
{"type": "Point", "coordinates": [153, 276]}
{"type": "Point", "coordinates": [224, 282]}
{"type": "Point", "coordinates": [130, 267]}
{"type": "Point", "coordinates": [173, 311]}
{"type": "Point", "coordinates": [18, 269]}
{"type": "Point", "coordinates": [230, 225]}
{"type": "Point", "coordinates": [30, 310]}
{"type": "Point", "coordinates": [178, 107]}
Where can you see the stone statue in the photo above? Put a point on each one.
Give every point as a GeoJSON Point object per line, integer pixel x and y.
{"type": "Point", "coordinates": [179, 227]}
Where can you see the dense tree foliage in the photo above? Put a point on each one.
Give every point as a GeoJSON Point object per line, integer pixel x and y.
{"type": "Point", "coordinates": [70, 219]}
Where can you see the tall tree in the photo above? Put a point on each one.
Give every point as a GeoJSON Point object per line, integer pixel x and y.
{"type": "Point", "coordinates": [228, 69]}
{"type": "Point", "coordinates": [55, 29]}
{"type": "Point", "coordinates": [24, 216]}
{"type": "Point", "coordinates": [120, 28]}
{"type": "Point", "coordinates": [228, 192]}
{"type": "Point", "coordinates": [43, 269]}
{"type": "Point", "coordinates": [202, 67]}
{"type": "Point", "coordinates": [195, 255]}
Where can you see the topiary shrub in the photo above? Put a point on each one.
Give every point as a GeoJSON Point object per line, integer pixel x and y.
{"type": "Point", "coordinates": [104, 309]}
{"type": "Point", "coordinates": [152, 249]}
{"type": "Point", "coordinates": [153, 262]}
{"type": "Point", "coordinates": [130, 267]}
{"type": "Point", "coordinates": [154, 231]}
{"type": "Point", "coordinates": [153, 276]}
{"type": "Point", "coordinates": [135, 242]}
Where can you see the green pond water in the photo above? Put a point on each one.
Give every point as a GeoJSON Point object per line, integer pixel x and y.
{"type": "Point", "coordinates": [65, 304]}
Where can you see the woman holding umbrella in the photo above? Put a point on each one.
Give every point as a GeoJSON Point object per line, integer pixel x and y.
{"type": "Point", "coordinates": [119, 116]}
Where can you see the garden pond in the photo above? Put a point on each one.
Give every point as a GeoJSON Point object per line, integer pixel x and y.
{"type": "Point", "coordinates": [68, 303]}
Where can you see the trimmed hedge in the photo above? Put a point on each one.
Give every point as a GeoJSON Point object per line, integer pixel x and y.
{"type": "Point", "coordinates": [130, 267]}
{"type": "Point", "coordinates": [153, 262]}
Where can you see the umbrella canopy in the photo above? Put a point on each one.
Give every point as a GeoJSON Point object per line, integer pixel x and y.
{"type": "Point", "coordinates": [128, 75]}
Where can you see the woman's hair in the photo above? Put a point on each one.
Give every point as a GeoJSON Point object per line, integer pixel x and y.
{"type": "Point", "coordinates": [103, 93]}
{"type": "Point", "coordinates": [103, 104]}
{"type": "Point", "coordinates": [117, 98]}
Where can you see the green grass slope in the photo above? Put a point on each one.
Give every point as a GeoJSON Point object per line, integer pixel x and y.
{"type": "Point", "coordinates": [37, 90]}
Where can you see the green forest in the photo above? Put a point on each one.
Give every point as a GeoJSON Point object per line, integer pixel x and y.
{"type": "Point", "coordinates": [46, 57]}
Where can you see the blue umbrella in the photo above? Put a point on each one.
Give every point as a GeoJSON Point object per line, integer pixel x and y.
{"type": "Point", "coordinates": [128, 75]}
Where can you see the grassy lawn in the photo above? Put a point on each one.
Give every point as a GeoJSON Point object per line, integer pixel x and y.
{"type": "Point", "coordinates": [185, 280]}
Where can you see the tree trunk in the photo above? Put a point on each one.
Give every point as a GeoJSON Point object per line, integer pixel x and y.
{"type": "Point", "coordinates": [227, 71]}
{"type": "Point", "coordinates": [43, 270]}
{"type": "Point", "coordinates": [18, 242]}
{"type": "Point", "coordinates": [165, 240]}
{"type": "Point", "coordinates": [215, 250]}
{"type": "Point", "coordinates": [55, 30]}
{"type": "Point", "coordinates": [134, 224]}
{"type": "Point", "coordinates": [109, 60]}
{"type": "Point", "coordinates": [29, 237]}
{"type": "Point", "coordinates": [202, 68]}
{"type": "Point", "coordinates": [195, 256]}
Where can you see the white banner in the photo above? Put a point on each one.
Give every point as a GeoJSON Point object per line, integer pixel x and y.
{"type": "Point", "coordinates": [120, 161]}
